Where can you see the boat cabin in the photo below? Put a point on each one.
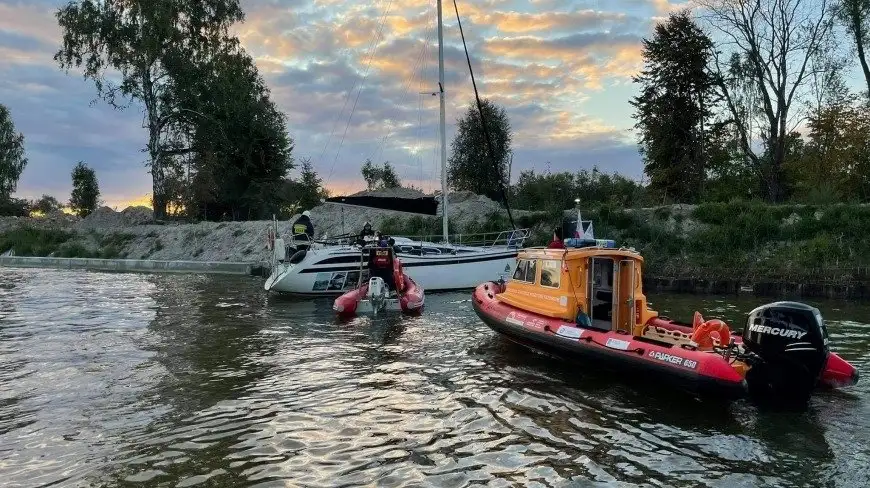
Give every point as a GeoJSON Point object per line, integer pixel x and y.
{"type": "Point", "coordinates": [597, 286]}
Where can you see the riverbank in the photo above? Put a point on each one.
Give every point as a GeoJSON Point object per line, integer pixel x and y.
{"type": "Point", "coordinates": [773, 250]}
{"type": "Point", "coordinates": [132, 234]}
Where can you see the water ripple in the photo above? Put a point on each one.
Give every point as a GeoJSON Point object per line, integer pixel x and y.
{"type": "Point", "coordinates": [109, 379]}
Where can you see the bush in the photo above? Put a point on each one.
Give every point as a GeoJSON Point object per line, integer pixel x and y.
{"type": "Point", "coordinates": [28, 241]}
{"type": "Point", "coordinates": [14, 207]}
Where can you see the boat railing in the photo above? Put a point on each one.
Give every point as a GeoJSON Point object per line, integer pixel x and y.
{"type": "Point", "coordinates": [506, 238]}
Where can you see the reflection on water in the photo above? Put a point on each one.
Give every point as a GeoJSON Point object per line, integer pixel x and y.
{"type": "Point", "coordinates": [110, 379]}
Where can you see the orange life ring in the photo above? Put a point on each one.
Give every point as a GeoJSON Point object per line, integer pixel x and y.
{"type": "Point", "coordinates": [702, 334]}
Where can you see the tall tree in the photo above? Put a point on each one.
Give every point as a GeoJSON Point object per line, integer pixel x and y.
{"type": "Point", "coordinates": [12, 160]}
{"type": "Point", "coordinates": [240, 152]}
{"type": "Point", "coordinates": [311, 189]}
{"type": "Point", "coordinates": [86, 191]}
{"type": "Point", "coordinates": [673, 106]}
{"type": "Point", "coordinates": [855, 15]}
{"type": "Point", "coordinates": [136, 39]}
{"type": "Point", "coordinates": [469, 166]}
{"type": "Point", "coordinates": [378, 177]}
{"type": "Point", "coordinates": [775, 42]}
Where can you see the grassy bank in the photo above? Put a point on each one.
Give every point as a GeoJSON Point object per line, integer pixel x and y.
{"type": "Point", "coordinates": [746, 242]}
{"type": "Point", "coordinates": [32, 241]}
{"type": "Point", "coordinates": [712, 247]}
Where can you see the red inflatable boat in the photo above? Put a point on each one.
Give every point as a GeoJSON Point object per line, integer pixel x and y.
{"type": "Point", "coordinates": [387, 289]}
{"type": "Point", "coordinates": [587, 304]}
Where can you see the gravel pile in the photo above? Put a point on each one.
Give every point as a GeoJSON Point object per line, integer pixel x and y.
{"type": "Point", "coordinates": [135, 235]}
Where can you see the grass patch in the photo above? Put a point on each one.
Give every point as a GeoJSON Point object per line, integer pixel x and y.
{"type": "Point", "coordinates": [29, 241]}
{"type": "Point", "coordinates": [744, 240]}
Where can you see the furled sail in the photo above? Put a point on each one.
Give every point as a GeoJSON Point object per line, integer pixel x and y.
{"type": "Point", "coordinates": [419, 205]}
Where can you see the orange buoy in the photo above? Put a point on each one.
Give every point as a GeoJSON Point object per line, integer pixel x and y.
{"type": "Point", "coordinates": [703, 333]}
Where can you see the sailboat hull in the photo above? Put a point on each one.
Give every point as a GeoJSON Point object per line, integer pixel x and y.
{"type": "Point", "coordinates": [331, 272]}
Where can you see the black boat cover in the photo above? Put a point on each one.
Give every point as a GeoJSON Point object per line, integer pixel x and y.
{"type": "Point", "coordinates": [421, 205]}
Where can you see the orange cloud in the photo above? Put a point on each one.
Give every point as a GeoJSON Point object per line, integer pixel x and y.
{"type": "Point", "coordinates": [523, 23]}
{"type": "Point", "coordinates": [563, 128]}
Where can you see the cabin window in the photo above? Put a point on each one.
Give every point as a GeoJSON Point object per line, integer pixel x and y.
{"type": "Point", "coordinates": [550, 273]}
{"type": "Point", "coordinates": [525, 271]}
{"type": "Point", "coordinates": [520, 272]}
{"type": "Point", "coordinates": [531, 272]}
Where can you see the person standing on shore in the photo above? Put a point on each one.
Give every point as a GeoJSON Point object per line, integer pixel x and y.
{"type": "Point", "coordinates": [303, 230]}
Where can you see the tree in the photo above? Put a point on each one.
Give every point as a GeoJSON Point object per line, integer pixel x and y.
{"type": "Point", "coordinates": [557, 191]}
{"type": "Point", "coordinates": [469, 166]}
{"type": "Point", "coordinates": [855, 15]}
{"type": "Point", "coordinates": [311, 189]}
{"type": "Point", "coordinates": [47, 204]}
{"type": "Point", "coordinates": [141, 40]}
{"type": "Point", "coordinates": [238, 152]}
{"type": "Point", "coordinates": [836, 160]}
{"type": "Point", "coordinates": [86, 192]}
{"type": "Point", "coordinates": [677, 93]}
{"type": "Point", "coordinates": [380, 177]}
{"type": "Point", "coordinates": [769, 45]}
{"type": "Point", "coordinates": [12, 160]}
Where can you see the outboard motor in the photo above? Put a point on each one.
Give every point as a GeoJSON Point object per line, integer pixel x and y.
{"type": "Point", "coordinates": [377, 293]}
{"type": "Point", "coordinates": [791, 344]}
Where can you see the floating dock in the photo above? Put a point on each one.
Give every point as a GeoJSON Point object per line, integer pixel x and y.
{"type": "Point", "coordinates": [133, 265]}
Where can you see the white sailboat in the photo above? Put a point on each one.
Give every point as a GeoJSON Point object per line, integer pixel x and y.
{"type": "Point", "coordinates": [332, 269]}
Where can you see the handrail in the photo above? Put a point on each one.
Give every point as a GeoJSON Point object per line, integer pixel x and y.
{"type": "Point", "coordinates": [509, 238]}
{"type": "Point", "coordinates": [483, 239]}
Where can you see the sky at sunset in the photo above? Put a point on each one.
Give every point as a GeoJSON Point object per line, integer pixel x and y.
{"type": "Point", "coordinates": [560, 68]}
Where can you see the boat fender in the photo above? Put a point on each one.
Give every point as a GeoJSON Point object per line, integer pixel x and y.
{"type": "Point", "coordinates": [398, 277]}
{"type": "Point", "coordinates": [278, 250]}
{"type": "Point", "coordinates": [298, 256]}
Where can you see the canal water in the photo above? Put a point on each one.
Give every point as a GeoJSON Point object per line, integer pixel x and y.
{"type": "Point", "coordinates": [157, 380]}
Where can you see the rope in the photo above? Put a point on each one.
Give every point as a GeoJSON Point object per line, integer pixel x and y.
{"type": "Point", "coordinates": [418, 65]}
{"type": "Point", "coordinates": [380, 32]}
{"type": "Point", "coordinates": [483, 119]}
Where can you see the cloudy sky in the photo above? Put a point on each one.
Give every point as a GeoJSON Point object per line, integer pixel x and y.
{"type": "Point", "coordinates": [349, 76]}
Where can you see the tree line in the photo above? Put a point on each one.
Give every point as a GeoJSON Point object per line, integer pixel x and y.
{"type": "Point", "coordinates": [217, 145]}
{"type": "Point", "coordinates": [742, 99]}
{"type": "Point", "coordinates": [746, 99]}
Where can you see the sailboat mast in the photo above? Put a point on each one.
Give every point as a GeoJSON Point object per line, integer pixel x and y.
{"type": "Point", "coordinates": [442, 124]}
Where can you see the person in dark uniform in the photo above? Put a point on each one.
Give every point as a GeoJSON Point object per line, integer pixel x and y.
{"type": "Point", "coordinates": [303, 230]}
{"type": "Point", "coordinates": [366, 232]}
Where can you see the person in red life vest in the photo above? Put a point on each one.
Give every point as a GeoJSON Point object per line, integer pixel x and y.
{"type": "Point", "coordinates": [556, 243]}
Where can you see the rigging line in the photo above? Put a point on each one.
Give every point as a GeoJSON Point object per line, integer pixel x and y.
{"type": "Point", "coordinates": [483, 118]}
{"type": "Point", "coordinates": [422, 144]}
{"type": "Point", "coordinates": [365, 75]}
{"type": "Point", "coordinates": [379, 149]}
{"type": "Point", "coordinates": [419, 64]}
{"type": "Point", "coordinates": [346, 99]}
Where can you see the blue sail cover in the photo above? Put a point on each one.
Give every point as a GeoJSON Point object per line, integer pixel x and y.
{"type": "Point", "coordinates": [421, 205]}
